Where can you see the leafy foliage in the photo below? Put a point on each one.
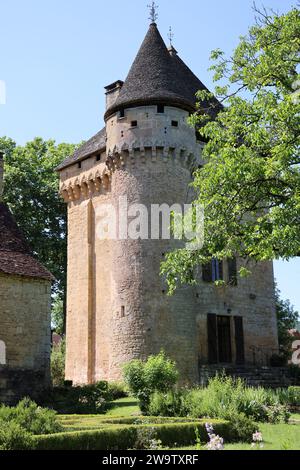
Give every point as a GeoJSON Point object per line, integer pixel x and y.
{"type": "Point", "coordinates": [249, 187]}
{"type": "Point", "coordinates": [58, 357]}
{"type": "Point", "coordinates": [14, 437]}
{"type": "Point", "coordinates": [31, 191]}
{"type": "Point", "coordinates": [158, 373]}
{"type": "Point", "coordinates": [224, 397]}
{"type": "Point", "coordinates": [30, 417]}
{"type": "Point", "coordinates": [287, 319]}
{"type": "Point", "coordinates": [83, 399]}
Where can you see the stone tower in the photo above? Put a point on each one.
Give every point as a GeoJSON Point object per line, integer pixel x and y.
{"type": "Point", "coordinates": [25, 289]}
{"type": "Point", "coordinates": [117, 307]}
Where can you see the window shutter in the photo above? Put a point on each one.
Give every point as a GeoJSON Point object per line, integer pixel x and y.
{"type": "Point", "coordinates": [212, 338]}
{"type": "Point", "coordinates": [207, 272]}
{"type": "Point", "coordinates": [221, 270]}
{"type": "Point", "coordinates": [232, 271]}
{"type": "Point", "coordinates": [239, 340]}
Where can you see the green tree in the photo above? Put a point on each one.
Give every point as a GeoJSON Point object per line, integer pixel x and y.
{"type": "Point", "coordinates": [31, 191]}
{"type": "Point", "coordinates": [57, 314]}
{"type": "Point", "coordinates": [58, 359]}
{"type": "Point", "coordinates": [287, 319]}
{"type": "Point", "coordinates": [250, 184]}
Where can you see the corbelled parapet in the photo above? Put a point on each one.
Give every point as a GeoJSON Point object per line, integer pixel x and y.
{"type": "Point", "coordinates": [86, 184]}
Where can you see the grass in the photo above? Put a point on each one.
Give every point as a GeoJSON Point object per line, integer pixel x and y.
{"type": "Point", "coordinates": [125, 407]}
{"type": "Point", "coordinates": [276, 437]}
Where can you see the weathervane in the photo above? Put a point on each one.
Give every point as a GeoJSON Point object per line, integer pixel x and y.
{"type": "Point", "coordinates": [153, 12]}
{"type": "Point", "coordinates": [171, 36]}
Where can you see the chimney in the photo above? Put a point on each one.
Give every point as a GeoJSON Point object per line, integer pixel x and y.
{"type": "Point", "coordinates": [1, 173]}
{"type": "Point", "coordinates": [112, 93]}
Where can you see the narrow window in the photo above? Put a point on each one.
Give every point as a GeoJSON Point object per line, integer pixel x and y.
{"type": "Point", "coordinates": [133, 123]}
{"type": "Point", "coordinates": [122, 133]}
{"type": "Point", "coordinates": [122, 311]}
{"type": "Point", "coordinates": [160, 109]}
{"type": "Point", "coordinates": [122, 113]}
{"type": "Point", "coordinates": [174, 123]}
{"type": "Point", "coordinates": [79, 164]}
{"type": "Point", "coordinates": [2, 353]}
{"type": "Point", "coordinates": [98, 158]}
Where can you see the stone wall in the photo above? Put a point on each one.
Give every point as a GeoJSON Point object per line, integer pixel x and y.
{"type": "Point", "coordinates": [25, 330]}
{"type": "Point", "coordinates": [117, 303]}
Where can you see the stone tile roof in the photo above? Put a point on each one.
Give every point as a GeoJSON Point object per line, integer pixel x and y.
{"type": "Point", "coordinates": [15, 255]}
{"type": "Point", "coordinates": [193, 84]}
{"type": "Point", "coordinates": [158, 76]}
{"type": "Point", "coordinates": [96, 144]}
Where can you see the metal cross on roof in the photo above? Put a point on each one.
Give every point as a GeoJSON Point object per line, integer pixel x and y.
{"type": "Point", "coordinates": [171, 36]}
{"type": "Point", "coordinates": [153, 12]}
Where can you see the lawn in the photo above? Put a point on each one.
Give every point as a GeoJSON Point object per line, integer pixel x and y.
{"type": "Point", "coordinates": [276, 436]}
{"type": "Point", "coordinates": [124, 407]}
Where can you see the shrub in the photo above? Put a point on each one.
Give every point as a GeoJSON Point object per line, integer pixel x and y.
{"type": "Point", "coordinates": [242, 427]}
{"type": "Point", "coordinates": [294, 396]}
{"type": "Point", "coordinates": [31, 418]}
{"type": "Point", "coordinates": [86, 399]}
{"type": "Point", "coordinates": [14, 437]}
{"type": "Point", "coordinates": [58, 356]}
{"type": "Point", "coordinates": [146, 438]}
{"type": "Point", "coordinates": [168, 404]}
{"type": "Point", "coordinates": [116, 390]}
{"type": "Point", "coordinates": [158, 373]}
{"type": "Point", "coordinates": [222, 398]}
{"type": "Point", "coordinates": [277, 414]}
{"type": "Point", "coordinates": [125, 437]}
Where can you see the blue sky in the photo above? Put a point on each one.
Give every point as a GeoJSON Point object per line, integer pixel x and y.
{"type": "Point", "coordinates": [57, 56]}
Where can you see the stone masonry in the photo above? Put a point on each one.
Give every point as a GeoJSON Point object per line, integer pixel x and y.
{"type": "Point", "coordinates": [117, 306]}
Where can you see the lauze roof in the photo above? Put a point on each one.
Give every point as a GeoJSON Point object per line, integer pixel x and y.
{"type": "Point", "coordinates": [157, 76]}
{"type": "Point", "coordinates": [15, 255]}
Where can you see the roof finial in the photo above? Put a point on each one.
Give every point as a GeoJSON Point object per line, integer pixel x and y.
{"type": "Point", "coordinates": [171, 36]}
{"type": "Point", "coordinates": [153, 12]}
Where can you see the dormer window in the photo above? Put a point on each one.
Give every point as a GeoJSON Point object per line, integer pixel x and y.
{"type": "Point", "coordinates": [160, 109]}
{"type": "Point", "coordinates": [174, 123]}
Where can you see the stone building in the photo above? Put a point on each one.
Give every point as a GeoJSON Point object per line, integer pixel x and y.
{"type": "Point", "coordinates": [25, 289]}
{"type": "Point", "coordinates": [117, 307]}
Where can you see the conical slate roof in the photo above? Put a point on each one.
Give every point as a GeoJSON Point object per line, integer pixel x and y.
{"type": "Point", "coordinates": [157, 76]}
{"type": "Point", "coordinates": [154, 78]}
{"type": "Point", "coordinates": [15, 255]}
{"type": "Point", "coordinates": [193, 85]}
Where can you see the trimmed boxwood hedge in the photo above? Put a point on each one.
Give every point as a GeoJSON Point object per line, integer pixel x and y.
{"type": "Point", "coordinates": [124, 437]}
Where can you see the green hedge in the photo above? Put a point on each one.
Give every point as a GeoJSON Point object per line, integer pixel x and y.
{"type": "Point", "coordinates": [124, 437]}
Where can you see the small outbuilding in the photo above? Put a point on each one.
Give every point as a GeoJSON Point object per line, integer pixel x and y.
{"type": "Point", "coordinates": [25, 306]}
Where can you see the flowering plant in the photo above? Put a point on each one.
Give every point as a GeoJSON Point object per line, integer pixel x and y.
{"type": "Point", "coordinates": [215, 442]}
{"type": "Point", "coordinates": [257, 439]}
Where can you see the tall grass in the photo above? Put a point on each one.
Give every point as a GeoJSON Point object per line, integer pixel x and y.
{"type": "Point", "coordinates": [222, 398]}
